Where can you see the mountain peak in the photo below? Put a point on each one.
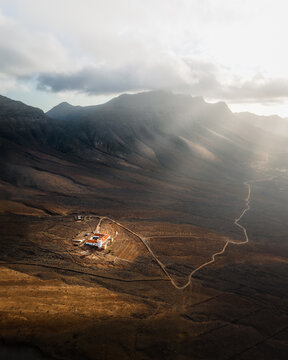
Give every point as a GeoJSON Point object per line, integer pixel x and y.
{"type": "Point", "coordinates": [63, 111]}
{"type": "Point", "coordinates": [221, 105]}
{"type": "Point", "coordinates": [64, 104]}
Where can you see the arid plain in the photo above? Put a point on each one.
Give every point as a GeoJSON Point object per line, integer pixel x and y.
{"type": "Point", "coordinates": [74, 303]}
{"type": "Point", "coordinates": [198, 265]}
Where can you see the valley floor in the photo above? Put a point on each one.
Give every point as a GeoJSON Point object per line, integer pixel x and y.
{"type": "Point", "coordinates": [224, 314]}
{"type": "Point", "coordinates": [121, 305]}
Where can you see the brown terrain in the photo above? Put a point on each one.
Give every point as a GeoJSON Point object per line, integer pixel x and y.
{"type": "Point", "coordinates": [179, 280]}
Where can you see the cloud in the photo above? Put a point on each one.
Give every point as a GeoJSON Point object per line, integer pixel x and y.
{"type": "Point", "coordinates": [130, 77]}
{"type": "Point", "coordinates": [25, 53]}
{"type": "Point", "coordinates": [163, 72]}
{"type": "Point", "coordinates": [186, 75]}
{"type": "Point", "coordinates": [201, 47]}
{"type": "Point", "coordinates": [92, 80]}
{"type": "Point", "coordinates": [259, 88]}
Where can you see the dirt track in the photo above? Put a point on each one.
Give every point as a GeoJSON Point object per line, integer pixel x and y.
{"type": "Point", "coordinates": [213, 257]}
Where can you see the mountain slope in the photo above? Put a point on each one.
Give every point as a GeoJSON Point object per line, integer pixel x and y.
{"type": "Point", "coordinates": [136, 154]}
{"type": "Point", "coordinates": [273, 123]}
{"type": "Point", "coordinates": [178, 131]}
{"type": "Point", "coordinates": [21, 123]}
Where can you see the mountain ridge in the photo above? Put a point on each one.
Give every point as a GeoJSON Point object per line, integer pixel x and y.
{"type": "Point", "coordinates": [119, 158]}
{"type": "Point", "coordinates": [145, 130]}
{"type": "Point", "coordinates": [274, 124]}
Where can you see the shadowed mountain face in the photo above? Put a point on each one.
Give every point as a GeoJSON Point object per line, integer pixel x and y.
{"type": "Point", "coordinates": [177, 132]}
{"type": "Point", "coordinates": [20, 123]}
{"type": "Point", "coordinates": [146, 130]}
{"type": "Point", "coordinates": [154, 145]}
{"type": "Point", "coordinates": [158, 128]}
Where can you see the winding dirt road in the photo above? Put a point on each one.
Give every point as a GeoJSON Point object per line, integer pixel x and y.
{"type": "Point", "coordinates": [145, 242]}
{"type": "Point", "coordinates": [213, 257]}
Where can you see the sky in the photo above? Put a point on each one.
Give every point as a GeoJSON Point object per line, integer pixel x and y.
{"type": "Point", "coordinates": [88, 51]}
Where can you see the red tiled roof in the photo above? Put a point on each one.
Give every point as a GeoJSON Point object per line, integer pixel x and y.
{"type": "Point", "coordinates": [105, 237]}
{"type": "Point", "coordinates": [91, 241]}
{"type": "Point", "coordinates": [102, 237]}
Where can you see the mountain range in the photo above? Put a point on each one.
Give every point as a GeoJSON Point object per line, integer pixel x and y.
{"type": "Point", "coordinates": [144, 151]}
